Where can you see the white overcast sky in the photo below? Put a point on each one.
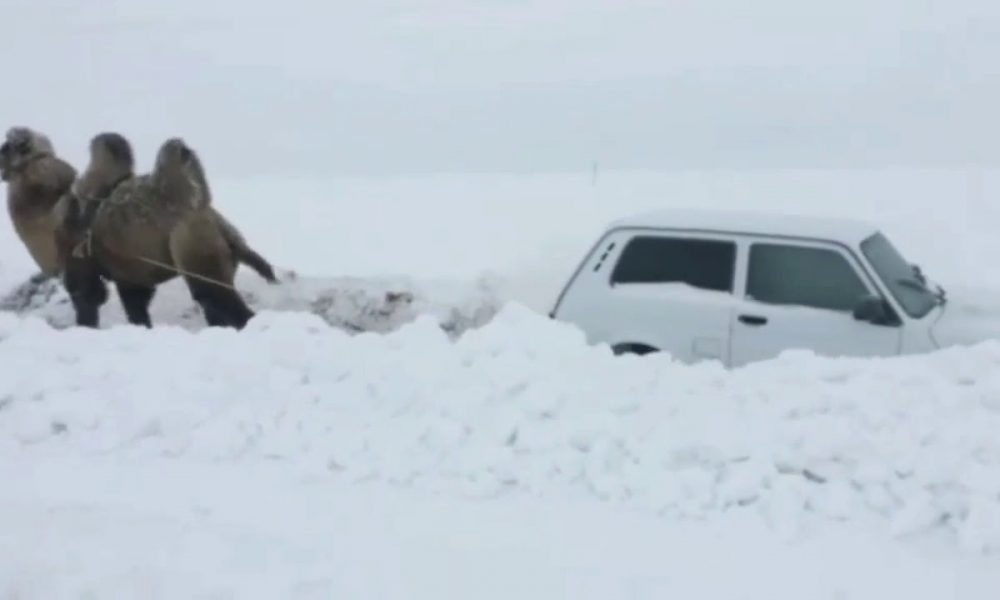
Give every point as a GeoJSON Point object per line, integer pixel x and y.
{"type": "Point", "coordinates": [457, 85]}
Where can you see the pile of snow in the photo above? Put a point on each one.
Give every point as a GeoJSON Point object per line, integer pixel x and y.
{"type": "Point", "coordinates": [113, 528]}
{"type": "Point", "coordinates": [523, 405]}
{"type": "Point", "coordinates": [352, 304]}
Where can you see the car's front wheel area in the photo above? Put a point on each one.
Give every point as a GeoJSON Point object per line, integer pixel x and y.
{"type": "Point", "coordinates": [633, 348]}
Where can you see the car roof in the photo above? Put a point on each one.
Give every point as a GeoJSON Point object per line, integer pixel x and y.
{"type": "Point", "coordinates": [850, 231]}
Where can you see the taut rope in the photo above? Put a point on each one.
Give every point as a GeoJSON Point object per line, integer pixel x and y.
{"type": "Point", "coordinates": [86, 248]}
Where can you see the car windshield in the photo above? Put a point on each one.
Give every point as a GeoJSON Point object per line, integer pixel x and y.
{"type": "Point", "coordinates": [903, 281]}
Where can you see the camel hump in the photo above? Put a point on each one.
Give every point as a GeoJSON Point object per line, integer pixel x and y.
{"type": "Point", "coordinates": [180, 175]}
{"type": "Point", "coordinates": [111, 163]}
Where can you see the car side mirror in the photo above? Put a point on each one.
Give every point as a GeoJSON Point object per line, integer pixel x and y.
{"type": "Point", "coordinates": [874, 310]}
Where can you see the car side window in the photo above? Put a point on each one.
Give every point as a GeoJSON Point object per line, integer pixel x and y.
{"type": "Point", "coordinates": [804, 276]}
{"type": "Point", "coordinates": [704, 264]}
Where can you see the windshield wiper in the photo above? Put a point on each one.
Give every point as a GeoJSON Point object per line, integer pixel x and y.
{"type": "Point", "coordinates": [913, 284]}
{"type": "Point", "coordinates": [919, 286]}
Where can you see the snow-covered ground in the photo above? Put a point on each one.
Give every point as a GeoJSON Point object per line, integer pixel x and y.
{"type": "Point", "coordinates": [164, 529]}
{"type": "Point", "coordinates": [516, 461]}
{"type": "Point", "coordinates": [299, 458]}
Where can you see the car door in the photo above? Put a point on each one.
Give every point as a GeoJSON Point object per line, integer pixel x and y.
{"type": "Point", "coordinates": [673, 292]}
{"type": "Point", "coordinates": [801, 295]}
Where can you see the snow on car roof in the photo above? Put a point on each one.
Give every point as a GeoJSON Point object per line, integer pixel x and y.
{"type": "Point", "coordinates": [849, 231]}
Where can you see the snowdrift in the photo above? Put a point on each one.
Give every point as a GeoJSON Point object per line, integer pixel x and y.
{"type": "Point", "coordinates": [522, 405]}
{"type": "Point", "coordinates": [352, 304]}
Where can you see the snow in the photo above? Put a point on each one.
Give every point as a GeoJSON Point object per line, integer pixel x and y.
{"type": "Point", "coordinates": [352, 304]}
{"type": "Point", "coordinates": [262, 532]}
{"type": "Point", "coordinates": [518, 412]}
{"type": "Point", "coordinates": [523, 404]}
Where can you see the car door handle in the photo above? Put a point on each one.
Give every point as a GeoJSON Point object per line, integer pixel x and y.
{"type": "Point", "coordinates": [754, 320]}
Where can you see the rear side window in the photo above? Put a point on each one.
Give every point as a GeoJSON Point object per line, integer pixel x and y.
{"type": "Point", "coordinates": [803, 276]}
{"type": "Point", "coordinates": [705, 264]}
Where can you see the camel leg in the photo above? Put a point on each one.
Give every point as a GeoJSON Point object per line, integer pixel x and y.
{"type": "Point", "coordinates": [213, 316]}
{"type": "Point", "coordinates": [222, 307]}
{"type": "Point", "coordinates": [136, 300]}
{"type": "Point", "coordinates": [198, 247]}
{"type": "Point", "coordinates": [86, 290]}
{"type": "Point", "coordinates": [236, 309]}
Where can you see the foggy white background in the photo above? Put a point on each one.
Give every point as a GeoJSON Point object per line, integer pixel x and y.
{"type": "Point", "coordinates": [316, 88]}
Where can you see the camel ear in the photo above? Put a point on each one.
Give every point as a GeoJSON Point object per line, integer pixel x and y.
{"type": "Point", "coordinates": [19, 136]}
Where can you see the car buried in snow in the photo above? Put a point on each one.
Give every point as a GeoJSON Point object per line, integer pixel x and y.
{"type": "Point", "coordinates": [739, 287]}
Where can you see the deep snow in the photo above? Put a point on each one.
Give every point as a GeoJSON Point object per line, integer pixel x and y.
{"type": "Point", "coordinates": [524, 404]}
{"type": "Point", "coordinates": [295, 459]}
{"type": "Point", "coordinates": [165, 529]}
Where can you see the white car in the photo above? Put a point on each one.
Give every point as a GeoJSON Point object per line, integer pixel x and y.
{"type": "Point", "coordinates": [744, 287]}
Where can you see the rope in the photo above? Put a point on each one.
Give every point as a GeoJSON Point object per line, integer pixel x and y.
{"type": "Point", "coordinates": [184, 273]}
{"type": "Point", "coordinates": [86, 248]}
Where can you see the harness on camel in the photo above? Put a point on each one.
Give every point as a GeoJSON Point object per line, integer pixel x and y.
{"type": "Point", "coordinates": [81, 218]}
